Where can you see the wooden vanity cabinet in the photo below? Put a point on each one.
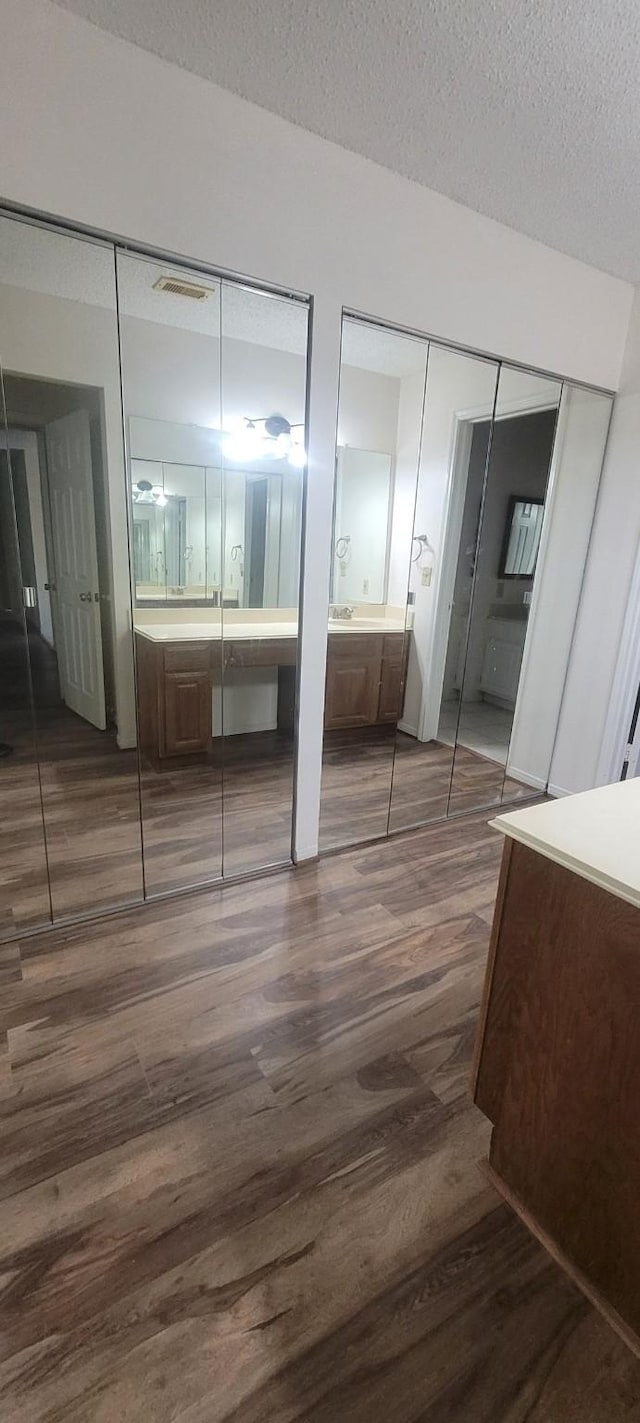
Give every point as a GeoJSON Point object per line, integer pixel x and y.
{"type": "Point", "coordinates": [353, 680]}
{"type": "Point", "coordinates": [365, 679]}
{"type": "Point", "coordinates": [174, 696]}
{"type": "Point", "coordinates": [366, 674]}
{"type": "Point", "coordinates": [557, 1067]}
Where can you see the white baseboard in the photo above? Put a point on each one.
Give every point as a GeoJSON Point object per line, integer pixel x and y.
{"type": "Point", "coordinates": [537, 783]}
{"type": "Point", "coordinates": [409, 730]}
{"type": "Point", "coordinates": [558, 791]}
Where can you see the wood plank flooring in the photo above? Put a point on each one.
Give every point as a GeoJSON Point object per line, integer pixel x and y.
{"type": "Point", "coordinates": [239, 1172]}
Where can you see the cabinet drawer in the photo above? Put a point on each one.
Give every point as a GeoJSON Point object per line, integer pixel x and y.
{"type": "Point", "coordinates": [354, 646]}
{"type": "Point", "coordinates": [189, 657]}
{"type": "Point", "coordinates": [261, 652]}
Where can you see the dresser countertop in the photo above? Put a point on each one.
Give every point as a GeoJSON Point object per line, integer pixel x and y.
{"type": "Point", "coordinates": [596, 834]}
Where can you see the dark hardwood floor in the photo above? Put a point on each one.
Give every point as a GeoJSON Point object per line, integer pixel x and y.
{"type": "Point", "coordinates": [239, 1169]}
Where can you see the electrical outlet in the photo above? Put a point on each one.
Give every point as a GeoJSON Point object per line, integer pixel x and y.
{"type": "Point", "coordinates": [426, 577]}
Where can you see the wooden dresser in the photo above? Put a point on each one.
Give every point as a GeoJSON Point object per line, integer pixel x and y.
{"type": "Point", "coordinates": [557, 1067]}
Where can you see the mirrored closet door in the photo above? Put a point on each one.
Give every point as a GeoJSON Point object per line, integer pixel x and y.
{"type": "Point", "coordinates": [69, 775]}
{"type": "Point", "coordinates": [460, 398]}
{"type": "Point", "coordinates": [24, 881]}
{"type": "Point", "coordinates": [504, 505]}
{"type": "Point", "coordinates": [170, 354]}
{"type": "Point", "coordinates": [263, 459]}
{"type": "Point", "coordinates": [382, 388]}
{"type": "Point", "coordinates": [472, 507]}
{"type": "Point", "coordinates": [214, 388]}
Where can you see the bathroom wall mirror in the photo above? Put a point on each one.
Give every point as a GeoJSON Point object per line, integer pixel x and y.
{"type": "Point", "coordinates": [362, 526]}
{"type": "Point", "coordinates": [521, 539]}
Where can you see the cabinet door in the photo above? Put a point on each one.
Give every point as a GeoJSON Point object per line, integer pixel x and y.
{"type": "Point", "coordinates": [353, 688]}
{"type": "Point", "coordinates": [391, 686]}
{"type": "Point", "coordinates": [501, 669]}
{"type": "Point", "coordinates": [187, 712]}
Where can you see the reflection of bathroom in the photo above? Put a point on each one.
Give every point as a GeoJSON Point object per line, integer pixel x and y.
{"type": "Point", "coordinates": [440, 503]}
{"type": "Point", "coordinates": [484, 657]}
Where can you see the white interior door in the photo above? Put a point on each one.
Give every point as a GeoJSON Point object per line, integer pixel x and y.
{"type": "Point", "coordinates": [79, 645]}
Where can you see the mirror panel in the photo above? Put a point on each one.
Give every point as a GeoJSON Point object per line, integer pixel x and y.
{"type": "Point", "coordinates": [458, 388]}
{"type": "Point", "coordinates": [170, 353]}
{"type": "Point", "coordinates": [24, 881]}
{"type": "Point", "coordinates": [382, 384]}
{"type": "Point", "coordinates": [506, 496]}
{"type": "Point", "coordinates": [578, 453]}
{"type": "Point", "coordinates": [62, 389]}
{"type": "Point", "coordinates": [264, 380]}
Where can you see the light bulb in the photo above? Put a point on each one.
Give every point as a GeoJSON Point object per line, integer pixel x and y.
{"type": "Point", "coordinates": [242, 444]}
{"type": "Point", "coordinates": [161, 499]}
{"type": "Point", "coordinates": [298, 456]}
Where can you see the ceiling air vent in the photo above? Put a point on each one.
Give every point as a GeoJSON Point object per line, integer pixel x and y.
{"type": "Point", "coordinates": [177, 287]}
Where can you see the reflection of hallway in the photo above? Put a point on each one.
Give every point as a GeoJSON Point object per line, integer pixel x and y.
{"type": "Point", "coordinates": [88, 790]}
{"type": "Point", "coordinates": [484, 728]}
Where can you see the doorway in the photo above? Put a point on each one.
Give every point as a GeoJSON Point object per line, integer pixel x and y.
{"type": "Point", "coordinates": [54, 439]}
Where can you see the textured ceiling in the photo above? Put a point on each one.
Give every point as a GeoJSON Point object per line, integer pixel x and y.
{"type": "Point", "coordinates": [54, 264]}
{"type": "Point", "coordinates": [526, 110]}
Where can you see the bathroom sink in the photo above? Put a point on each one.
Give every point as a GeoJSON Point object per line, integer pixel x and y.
{"type": "Point", "coordinates": [362, 625]}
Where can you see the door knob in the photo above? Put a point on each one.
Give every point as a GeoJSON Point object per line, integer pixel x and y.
{"type": "Point", "coordinates": [84, 597]}
{"type": "Point", "coordinates": [50, 587]}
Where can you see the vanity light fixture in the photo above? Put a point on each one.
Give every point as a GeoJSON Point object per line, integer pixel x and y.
{"type": "Point", "coordinates": [264, 437]}
{"type": "Point", "coordinates": [144, 492]}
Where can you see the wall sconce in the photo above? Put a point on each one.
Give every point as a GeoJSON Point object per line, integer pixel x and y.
{"type": "Point", "coordinates": [144, 492]}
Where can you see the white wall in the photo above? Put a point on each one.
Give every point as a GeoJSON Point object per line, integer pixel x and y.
{"type": "Point", "coordinates": [368, 411]}
{"type": "Point", "coordinates": [98, 131]}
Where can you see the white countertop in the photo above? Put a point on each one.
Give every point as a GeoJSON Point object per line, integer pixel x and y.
{"type": "Point", "coordinates": [596, 834]}
{"type": "Point", "coordinates": [212, 632]}
{"type": "Point", "coordinates": [236, 631]}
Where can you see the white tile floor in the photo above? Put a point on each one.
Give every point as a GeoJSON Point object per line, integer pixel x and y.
{"type": "Point", "coordinates": [483, 728]}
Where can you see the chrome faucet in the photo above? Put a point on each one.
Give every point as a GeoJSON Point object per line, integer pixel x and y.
{"type": "Point", "coordinates": [340, 612]}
